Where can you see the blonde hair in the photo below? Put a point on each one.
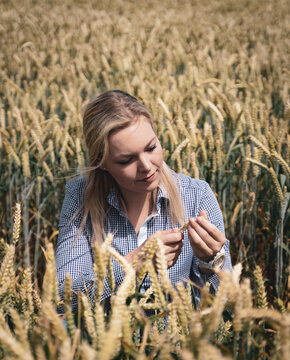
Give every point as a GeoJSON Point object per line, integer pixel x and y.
{"type": "Point", "coordinates": [111, 111]}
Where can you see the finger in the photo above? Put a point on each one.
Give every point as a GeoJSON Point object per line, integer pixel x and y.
{"type": "Point", "coordinates": [177, 254]}
{"type": "Point", "coordinates": [168, 236]}
{"type": "Point", "coordinates": [169, 231]}
{"type": "Point", "coordinates": [172, 238]}
{"type": "Point", "coordinates": [214, 232]}
{"type": "Point", "coordinates": [161, 234]}
{"type": "Point", "coordinates": [203, 213]}
{"type": "Point", "coordinates": [200, 248]}
{"type": "Point", "coordinates": [173, 248]}
{"type": "Point", "coordinates": [206, 237]}
{"type": "Point", "coordinates": [172, 259]}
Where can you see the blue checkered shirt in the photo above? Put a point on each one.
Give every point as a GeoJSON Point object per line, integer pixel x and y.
{"type": "Point", "coordinates": [76, 257]}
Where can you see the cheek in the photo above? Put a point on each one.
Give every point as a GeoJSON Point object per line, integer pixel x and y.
{"type": "Point", "coordinates": [159, 157]}
{"type": "Point", "coordinates": [125, 175]}
{"type": "Point", "coordinates": [122, 179]}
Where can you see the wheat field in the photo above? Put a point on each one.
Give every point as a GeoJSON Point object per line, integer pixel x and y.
{"type": "Point", "coordinates": [216, 77]}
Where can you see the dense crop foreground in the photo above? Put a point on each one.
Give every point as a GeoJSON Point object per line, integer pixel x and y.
{"type": "Point", "coordinates": [215, 75]}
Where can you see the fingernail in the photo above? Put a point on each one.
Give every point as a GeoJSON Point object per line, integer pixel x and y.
{"type": "Point", "coordinates": [192, 220]}
{"type": "Point", "coordinates": [199, 219]}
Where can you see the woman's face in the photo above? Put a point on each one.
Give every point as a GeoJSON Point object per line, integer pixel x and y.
{"type": "Point", "coordinates": [135, 158]}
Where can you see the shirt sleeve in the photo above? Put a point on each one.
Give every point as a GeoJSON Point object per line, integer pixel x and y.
{"type": "Point", "coordinates": [74, 254]}
{"type": "Point", "coordinates": [209, 203]}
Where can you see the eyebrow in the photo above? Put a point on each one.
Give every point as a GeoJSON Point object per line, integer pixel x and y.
{"type": "Point", "coordinates": [131, 154]}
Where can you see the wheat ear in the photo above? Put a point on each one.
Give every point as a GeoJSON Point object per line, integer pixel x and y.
{"type": "Point", "coordinates": [111, 342]}
{"type": "Point", "coordinates": [88, 318]}
{"type": "Point", "coordinates": [17, 223]}
{"type": "Point", "coordinates": [56, 323]}
{"type": "Point", "coordinates": [99, 269]}
{"type": "Point", "coordinates": [261, 295]}
{"type": "Point", "coordinates": [25, 164]}
{"type": "Point", "coordinates": [20, 329]}
{"type": "Point", "coordinates": [100, 325]}
{"type": "Point", "coordinates": [9, 343]}
{"type": "Point", "coordinates": [26, 291]}
{"type": "Point", "coordinates": [6, 271]}
{"type": "Point", "coordinates": [50, 284]}
{"type": "Point", "coordinates": [67, 305]}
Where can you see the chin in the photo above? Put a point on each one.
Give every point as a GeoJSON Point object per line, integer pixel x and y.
{"type": "Point", "coordinates": [153, 186]}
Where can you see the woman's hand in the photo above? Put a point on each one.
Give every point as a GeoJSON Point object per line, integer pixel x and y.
{"type": "Point", "coordinates": [172, 241]}
{"type": "Point", "coordinates": [205, 238]}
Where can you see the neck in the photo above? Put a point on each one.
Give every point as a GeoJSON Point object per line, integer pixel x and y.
{"type": "Point", "coordinates": [138, 203]}
{"type": "Point", "coordinates": [138, 208]}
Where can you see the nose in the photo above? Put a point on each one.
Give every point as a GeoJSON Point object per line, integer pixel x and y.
{"type": "Point", "coordinates": [144, 163]}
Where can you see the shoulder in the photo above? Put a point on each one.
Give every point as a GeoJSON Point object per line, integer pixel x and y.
{"type": "Point", "coordinates": [76, 187]}
{"type": "Point", "coordinates": [73, 199]}
{"type": "Point", "coordinates": [76, 184]}
{"type": "Point", "coordinates": [196, 195]}
{"type": "Point", "coordinates": [187, 184]}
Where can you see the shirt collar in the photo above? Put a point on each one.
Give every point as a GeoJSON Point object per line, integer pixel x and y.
{"type": "Point", "coordinates": [162, 194]}
{"type": "Point", "coordinates": [113, 200]}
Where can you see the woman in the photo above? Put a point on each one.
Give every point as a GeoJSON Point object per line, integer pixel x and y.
{"type": "Point", "coordinates": [129, 191]}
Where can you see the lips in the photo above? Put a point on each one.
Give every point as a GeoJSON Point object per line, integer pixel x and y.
{"type": "Point", "coordinates": [148, 178]}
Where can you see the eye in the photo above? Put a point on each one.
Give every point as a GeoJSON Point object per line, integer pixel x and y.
{"type": "Point", "coordinates": [125, 162]}
{"type": "Point", "coordinates": [151, 148]}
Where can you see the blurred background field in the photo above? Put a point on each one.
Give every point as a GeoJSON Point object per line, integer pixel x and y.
{"type": "Point", "coordinates": [215, 75]}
